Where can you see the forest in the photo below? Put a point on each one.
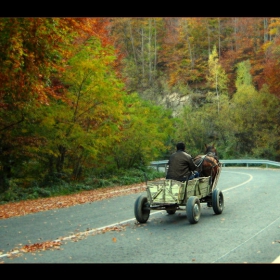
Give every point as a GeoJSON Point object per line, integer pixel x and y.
{"type": "Point", "coordinates": [82, 99]}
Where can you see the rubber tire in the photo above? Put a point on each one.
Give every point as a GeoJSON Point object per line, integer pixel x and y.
{"type": "Point", "coordinates": [171, 212]}
{"type": "Point", "coordinates": [193, 208]}
{"type": "Point", "coordinates": [141, 215]}
{"type": "Point", "coordinates": [217, 201]}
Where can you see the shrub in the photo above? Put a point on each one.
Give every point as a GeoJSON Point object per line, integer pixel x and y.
{"type": "Point", "coordinates": [57, 184]}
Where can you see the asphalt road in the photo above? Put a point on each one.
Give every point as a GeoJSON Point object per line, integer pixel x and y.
{"type": "Point", "coordinates": [248, 230]}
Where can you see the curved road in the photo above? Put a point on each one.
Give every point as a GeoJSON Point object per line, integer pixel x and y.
{"type": "Point", "coordinates": [248, 230]}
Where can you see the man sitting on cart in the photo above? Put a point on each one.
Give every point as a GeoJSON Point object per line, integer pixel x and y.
{"type": "Point", "coordinates": [180, 166]}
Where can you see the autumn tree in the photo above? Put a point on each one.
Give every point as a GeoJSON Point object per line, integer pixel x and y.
{"type": "Point", "coordinates": [88, 122]}
{"type": "Point", "coordinates": [192, 128]}
{"type": "Point", "coordinates": [197, 126]}
{"type": "Point", "coordinates": [33, 52]}
{"type": "Point", "coordinates": [253, 113]}
{"type": "Point", "coordinates": [139, 42]}
{"type": "Point", "coordinates": [217, 78]}
{"type": "Point", "coordinates": [243, 39]}
{"type": "Point", "coordinates": [268, 140]}
{"type": "Point", "coordinates": [143, 135]}
{"type": "Point", "coordinates": [62, 78]}
{"type": "Point", "coordinates": [271, 66]}
{"type": "Point", "coordinates": [30, 52]}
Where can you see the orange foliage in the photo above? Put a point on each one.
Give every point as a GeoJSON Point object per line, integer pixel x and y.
{"type": "Point", "coordinates": [25, 207]}
{"type": "Point", "coordinates": [272, 74]}
{"type": "Point", "coordinates": [35, 49]}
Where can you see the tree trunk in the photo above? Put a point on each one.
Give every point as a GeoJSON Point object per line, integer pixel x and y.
{"type": "Point", "coordinates": [78, 168]}
{"type": "Point", "coordinates": [6, 170]}
{"type": "Point", "coordinates": [50, 164]}
{"type": "Point", "coordinates": [60, 159]}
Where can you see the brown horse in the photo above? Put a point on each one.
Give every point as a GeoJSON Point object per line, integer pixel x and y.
{"type": "Point", "coordinates": [208, 164]}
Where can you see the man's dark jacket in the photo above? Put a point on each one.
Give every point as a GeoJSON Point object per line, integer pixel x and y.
{"type": "Point", "coordinates": [179, 166]}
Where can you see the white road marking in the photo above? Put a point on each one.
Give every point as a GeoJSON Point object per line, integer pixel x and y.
{"type": "Point", "coordinates": [250, 178]}
{"type": "Point", "coordinates": [277, 260]}
{"type": "Point", "coordinates": [247, 240]}
{"type": "Point", "coordinates": [85, 233]}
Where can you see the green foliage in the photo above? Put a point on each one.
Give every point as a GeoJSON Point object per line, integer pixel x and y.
{"type": "Point", "coordinates": [138, 39]}
{"type": "Point", "coordinates": [57, 186]}
{"type": "Point", "coordinates": [243, 78]}
{"type": "Point", "coordinates": [241, 129]}
{"type": "Point", "coordinates": [200, 126]}
{"type": "Point", "coordinates": [83, 125]}
{"type": "Point", "coordinates": [142, 134]}
{"type": "Point", "coordinates": [267, 132]}
{"type": "Point", "coordinates": [65, 109]}
{"type": "Point", "coordinates": [245, 111]}
{"type": "Point", "coordinates": [217, 78]}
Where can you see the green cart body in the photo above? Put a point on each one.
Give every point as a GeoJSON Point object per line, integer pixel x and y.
{"type": "Point", "coordinates": [172, 195]}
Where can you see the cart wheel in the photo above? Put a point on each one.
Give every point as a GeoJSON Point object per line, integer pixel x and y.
{"type": "Point", "coordinates": [141, 211]}
{"type": "Point", "coordinates": [171, 212]}
{"type": "Point", "coordinates": [193, 208]}
{"type": "Point", "coordinates": [218, 201]}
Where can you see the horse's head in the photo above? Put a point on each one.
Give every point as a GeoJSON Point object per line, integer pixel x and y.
{"type": "Point", "coordinates": [211, 150]}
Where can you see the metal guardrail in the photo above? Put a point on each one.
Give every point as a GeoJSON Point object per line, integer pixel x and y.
{"type": "Point", "coordinates": [224, 162]}
{"type": "Point", "coordinates": [250, 162]}
{"type": "Point", "coordinates": [158, 164]}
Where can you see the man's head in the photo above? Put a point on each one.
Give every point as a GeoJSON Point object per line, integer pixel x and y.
{"type": "Point", "coordinates": [180, 146]}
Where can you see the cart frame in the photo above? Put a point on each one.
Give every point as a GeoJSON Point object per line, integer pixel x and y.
{"type": "Point", "coordinates": [172, 195]}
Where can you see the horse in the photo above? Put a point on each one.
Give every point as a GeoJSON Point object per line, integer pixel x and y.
{"type": "Point", "coordinates": [208, 164]}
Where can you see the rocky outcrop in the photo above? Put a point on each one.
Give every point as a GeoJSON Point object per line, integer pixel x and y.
{"type": "Point", "coordinates": [174, 101]}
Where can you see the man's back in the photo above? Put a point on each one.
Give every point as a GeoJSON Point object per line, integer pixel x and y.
{"type": "Point", "coordinates": [179, 166]}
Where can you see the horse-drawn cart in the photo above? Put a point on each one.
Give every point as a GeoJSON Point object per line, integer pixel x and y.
{"type": "Point", "coordinates": [172, 195]}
